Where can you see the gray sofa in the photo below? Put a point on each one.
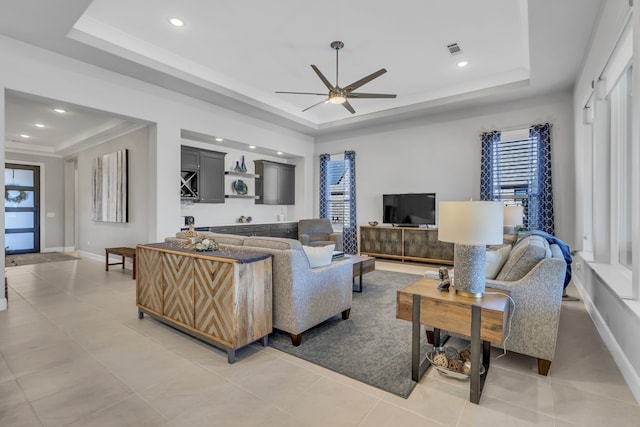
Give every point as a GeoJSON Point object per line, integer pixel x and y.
{"type": "Point", "coordinates": [302, 296]}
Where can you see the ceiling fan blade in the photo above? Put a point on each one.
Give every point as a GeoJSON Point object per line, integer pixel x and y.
{"type": "Point", "coordinates": [364, 80]}
{"type": "Point", "coordinates": [370, 95]}
{"type": "Point", "coordinates": [316, 104]}
{"type": "Point", "coordinates": [348, 106]}
{"type": "Point", "coordinates": [322, 77]}
{"type": "Point", "coordinates": [302, 93]}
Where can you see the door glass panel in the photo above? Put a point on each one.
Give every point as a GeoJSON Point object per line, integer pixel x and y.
{"type": "Point", "coordinates": [21, 177]}
{"type": "Point", "coordinates": [14, 220]}
{"type": "Point", "coordinates": [18, 241]}
{"type": "Point", "coordinates": [18, 199]}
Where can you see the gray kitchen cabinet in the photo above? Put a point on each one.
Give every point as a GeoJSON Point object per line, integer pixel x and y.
{"type": "Point", "coordinates": [189, 159]}
{"type": "Point", "coordinates": [202, 175]}
{"type": "Point", "coordinates": [276, 184]}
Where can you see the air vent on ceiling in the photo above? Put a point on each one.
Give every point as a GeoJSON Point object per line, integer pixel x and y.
{"type": "Point", "coordinates": [454, 48]}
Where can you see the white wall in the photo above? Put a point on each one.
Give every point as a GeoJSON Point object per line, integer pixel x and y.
{"type": "Point", "coordinates": [94, 236]}
{"type": "Point", "coordinates": [441, 154]}
{"type": "Point", "coordinates": [43, 73]}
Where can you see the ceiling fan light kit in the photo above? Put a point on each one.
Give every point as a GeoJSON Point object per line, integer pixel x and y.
{"type": "Point", "coordinates": [339, 95]}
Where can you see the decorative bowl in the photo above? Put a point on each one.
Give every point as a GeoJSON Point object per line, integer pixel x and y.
{"type": "Point", "coordinates": [373, 223]}
{"type": "Point", "coordinates": [446, 371]}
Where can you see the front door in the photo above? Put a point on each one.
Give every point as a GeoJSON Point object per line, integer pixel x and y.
{"type": "Point", "coordinates": [21, 208]}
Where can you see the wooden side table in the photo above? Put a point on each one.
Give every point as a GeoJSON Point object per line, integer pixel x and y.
{"type": "Point", "coordinates": [483, 319]}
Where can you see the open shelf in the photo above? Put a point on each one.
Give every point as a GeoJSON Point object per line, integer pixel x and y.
{"type": "Point", "coordinates": [240, 196]}
{"type": "Point", "coordinates": [242, 174]}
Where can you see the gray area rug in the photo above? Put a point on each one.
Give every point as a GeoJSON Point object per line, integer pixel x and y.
{"type": "Point", "coordinates": [26, 259]}
{"type": "Point", "coordinates": [372, 346]}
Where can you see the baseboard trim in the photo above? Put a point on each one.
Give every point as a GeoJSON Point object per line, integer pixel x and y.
{"type": "Point", "coordinates": [626, 368]}
{"type": "Point", "coordinates": [83, 254]}
{"type": "Point", "coordinates": [3, 304]}
{"type": "Point", "coordinates": [57, 249]}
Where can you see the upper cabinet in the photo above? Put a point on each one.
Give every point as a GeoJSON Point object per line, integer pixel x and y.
{"type": "Point", "coordinates": [189, 159]}
{"type": "Point", "coordinates": [202, 175]}
{"type": "Point", "coordinates": [276, 184]}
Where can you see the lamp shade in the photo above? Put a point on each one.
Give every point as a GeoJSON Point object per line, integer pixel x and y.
{"type": "Point", "coordinates": [471, 222]}
{"type": "Point", "coordinates": [513, 215]}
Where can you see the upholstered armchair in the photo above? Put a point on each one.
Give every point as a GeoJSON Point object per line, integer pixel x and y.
{"type": "Point", "coordinates": [318, 232]}
{"type": "Point", "coordinates": [537, 293]}
{"type": "Point", "coordinates": [534, 274]}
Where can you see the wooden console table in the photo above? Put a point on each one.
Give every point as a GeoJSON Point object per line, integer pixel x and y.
{"type": "Point", "coordinates": [405, 244]}
{"type": "Point", "coordinates": [483, 319]}
{"type": "Point", "coordinates": [221, 297]}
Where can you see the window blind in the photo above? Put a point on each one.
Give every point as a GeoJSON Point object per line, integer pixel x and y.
{"type": "Point", "coordinates": [515, 169]}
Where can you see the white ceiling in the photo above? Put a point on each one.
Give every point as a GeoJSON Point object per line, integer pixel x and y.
{"type": "Point", "coordinates": [237, 54]}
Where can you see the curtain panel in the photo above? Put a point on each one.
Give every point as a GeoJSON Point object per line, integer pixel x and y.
{"type": "Point", "coordinates": [350, 230]}
{"type": "Point", "coordinates": [325, 195]}
{"type": "Point", "coordinates": [541, 198]}
{"type": "Point", "coordinates": [489, 182]}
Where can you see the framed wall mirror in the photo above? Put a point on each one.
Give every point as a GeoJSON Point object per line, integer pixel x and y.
{"type": "Point", "coordinates": [110, 187]}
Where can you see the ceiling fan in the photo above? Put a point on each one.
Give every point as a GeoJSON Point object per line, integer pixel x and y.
{"type": "Point", "coordinates": [341, 95]}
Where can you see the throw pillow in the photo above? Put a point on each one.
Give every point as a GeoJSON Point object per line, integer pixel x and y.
{"type": "Point", "coordinates": [319, 255]}
{"type": "Point", "coordinates": [496, 259]}
{"type": "Point", "coordinates": [524, 256]}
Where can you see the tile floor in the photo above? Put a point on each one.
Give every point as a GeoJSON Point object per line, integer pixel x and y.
{"type": "Point", "coordinates": [73, 352]}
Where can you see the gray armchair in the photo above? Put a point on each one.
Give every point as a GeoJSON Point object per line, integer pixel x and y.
{"type": "Point", "coordinates": [318, 232]}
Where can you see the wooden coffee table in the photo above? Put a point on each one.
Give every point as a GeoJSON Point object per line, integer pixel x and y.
{"type": "Point", "coordinates": [361, 264]}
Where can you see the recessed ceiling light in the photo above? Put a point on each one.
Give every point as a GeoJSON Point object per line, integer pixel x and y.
{"type": "Point", "coordinates": [219, 139]}
{"type": "Point", "coordinates": [176, 22]}
{"type": "Point", "coordinates": [60, 110]}
{"type": "Point", "coordinates": [24, 135]}
{"type": "Point", "coordinates": [462, 64]}
{"type": "Point", "coordinates": [280, 153]}
{"type": "Point", "coordinates": [39, 125]}
{"type": "Point", "coordinates": [253, 147]}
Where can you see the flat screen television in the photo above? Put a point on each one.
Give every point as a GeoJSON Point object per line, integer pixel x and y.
{"type": "Point", "coordinates": [413, 210]}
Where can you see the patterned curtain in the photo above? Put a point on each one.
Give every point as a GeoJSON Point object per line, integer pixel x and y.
{"type": "Point", "coordinates": [324, 185]}
{"type": "Point", "coordinates": [488, 181]}
{"type": "Point", "coordinates": [541, 198]}
{"type": "Point", "coordinates": [350, 229]}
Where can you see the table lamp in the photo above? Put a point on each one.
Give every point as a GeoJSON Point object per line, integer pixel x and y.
{"type": "Point", "coordinates": [512, 218]}
{"type": "Point", "coordinates": [470, 225]}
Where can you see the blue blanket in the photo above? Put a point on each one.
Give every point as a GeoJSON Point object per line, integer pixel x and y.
{"type": "Point", "coordinates": [566, 251]}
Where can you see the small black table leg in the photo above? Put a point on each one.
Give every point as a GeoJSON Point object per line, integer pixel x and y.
{"type": "Point", "coordinates": [415, 339]}
{"type": "Point", "coordinates": [480, 355]}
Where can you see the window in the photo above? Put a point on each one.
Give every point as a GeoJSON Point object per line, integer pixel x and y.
{"type": "Point", "coordinates": [339, 197]}
{"type": "Point", "coordinates": [516, 169]}
{"type": "Point", "coordinates": [621, 160]}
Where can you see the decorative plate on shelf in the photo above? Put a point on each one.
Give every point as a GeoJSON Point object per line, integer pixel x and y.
{"type": "Point", "coordinates": [240, 187]}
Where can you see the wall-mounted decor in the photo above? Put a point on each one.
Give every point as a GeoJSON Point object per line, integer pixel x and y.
{"type": "Point", "coordinates": [110, 187]}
